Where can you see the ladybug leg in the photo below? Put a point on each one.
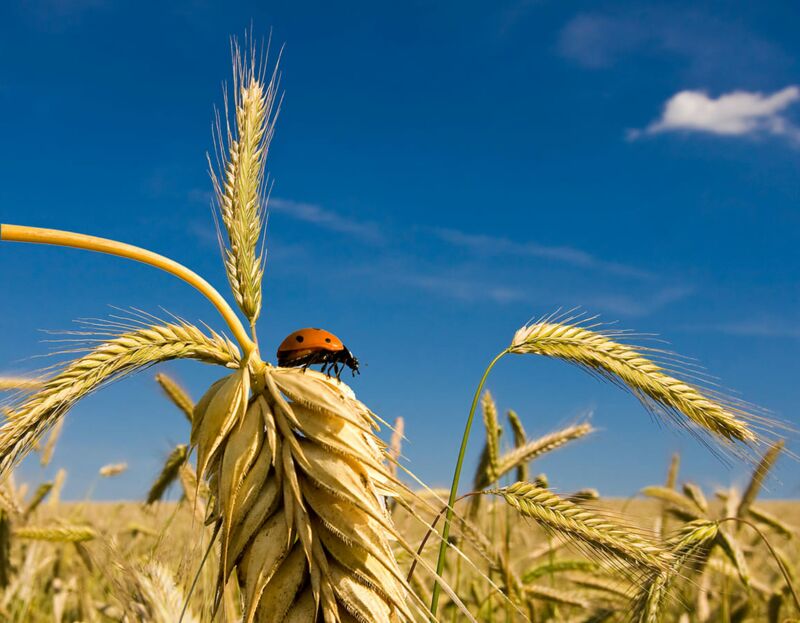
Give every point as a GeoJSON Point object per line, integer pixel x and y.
{"type": "Point", "coordinates": [339, 372]}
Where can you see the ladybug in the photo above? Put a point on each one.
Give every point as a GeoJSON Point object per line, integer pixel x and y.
{"type": "Point", "coordinates": [310, 346]}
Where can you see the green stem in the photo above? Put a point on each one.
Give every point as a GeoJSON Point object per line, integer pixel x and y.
{"type": "Point", "coordinates": [454, 487]}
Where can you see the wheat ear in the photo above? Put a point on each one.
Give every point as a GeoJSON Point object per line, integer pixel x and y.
{"type": "Point", "coordinates": [760, 472]}
{"type": "Point", "coordinates": [493, 431]}
{"type": "Point", "coordinates": [693, 537]}
{"type": "Point", "coordinates": [116, 357]}
{"type": "Point", "coordinates": [169, 473]}
{"type": "Point", "coordinates": [112, 469]}
{"type": "Point", "coordinates": [56, 534]}
{"type": "Point", "coordinates": [298, 480]}
{"type": "Point", "coordinates": [176, 394]}
{"type": "Point", "coordinates": [239, 185]}
{"type": "Point", "coordinates": [525, 454]}
{"type": "Point", "coordinates": [520, 439]}
{"type": "Point", "coordinates": [660, 392]}
{"type": "Point", "coordinates": [9, 383]}
{"type": "Point", "coordinates": [577, 522]}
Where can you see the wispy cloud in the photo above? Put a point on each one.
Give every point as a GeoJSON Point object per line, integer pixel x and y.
{"type": "Point", "coordinates": [470, 289]}
{"type": "Point", "coordinates": [59, 15]}
{"type": "Point", "coordinates": [462, 288]}
{"type": "Point", "coordinates": [327, 219]}
{"type": "Point", "coordinates": [709, 46]}
{"type": "Point", "coordinates": [739, 113]}
{"type": "Point", "coordinates": [754, 327]}
{"type": "Point", "coordinates": [498, 246]}
{"type": "Point", "coordinates": [642, 305]}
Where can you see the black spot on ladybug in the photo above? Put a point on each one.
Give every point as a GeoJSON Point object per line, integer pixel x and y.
{"type": "Point", "coordinates": [327, 339]}
{"type": "Point", "coordinates": [299, 338]}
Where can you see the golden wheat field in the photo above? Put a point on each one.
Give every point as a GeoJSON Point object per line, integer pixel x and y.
{"type": "Point", "coordinates": [290, 498]}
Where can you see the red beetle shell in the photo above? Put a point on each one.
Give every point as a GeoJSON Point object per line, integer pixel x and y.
{"type": "Point", "coordinates": [310, 339]}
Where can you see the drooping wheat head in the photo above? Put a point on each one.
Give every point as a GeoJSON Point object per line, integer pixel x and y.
{"type": "Point", "coordinates": [661, 392]}
{"type": "Point", "coordinates": [126, 353]}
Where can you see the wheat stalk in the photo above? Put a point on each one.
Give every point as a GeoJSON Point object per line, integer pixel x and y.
{"type": "Point", "coordinates": [660, 392]}
{"type": "Point", "coordinates": [106, 362]}
{"type": "Point", "coordinates": [770, 520]}
{"type": "Point", "coordinates": [5, 550]}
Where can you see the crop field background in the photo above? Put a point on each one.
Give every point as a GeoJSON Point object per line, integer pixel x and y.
{"type": "Point", "coordinates": [296, 409]}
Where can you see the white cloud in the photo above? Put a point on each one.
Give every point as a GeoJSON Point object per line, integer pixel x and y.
{"type": "Point", "coordinates": [319, 216]}
{"type": "Point", "coordinates": [738, 113]}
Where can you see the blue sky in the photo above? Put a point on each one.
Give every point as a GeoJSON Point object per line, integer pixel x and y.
{"type": "Point", "coordinates": [442, 174]}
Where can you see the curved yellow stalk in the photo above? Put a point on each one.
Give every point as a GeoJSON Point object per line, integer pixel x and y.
{"type": "Point", "coordinates": [21, 233]}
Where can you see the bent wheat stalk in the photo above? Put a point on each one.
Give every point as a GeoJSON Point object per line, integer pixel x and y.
{"type": "Point", "coordinates": [20, 233]}
{"type": "Point", "coordinates": [661, 393]}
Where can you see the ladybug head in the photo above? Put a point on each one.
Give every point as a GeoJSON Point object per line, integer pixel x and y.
{"type": "Point", "coordinates": [352, 362]}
